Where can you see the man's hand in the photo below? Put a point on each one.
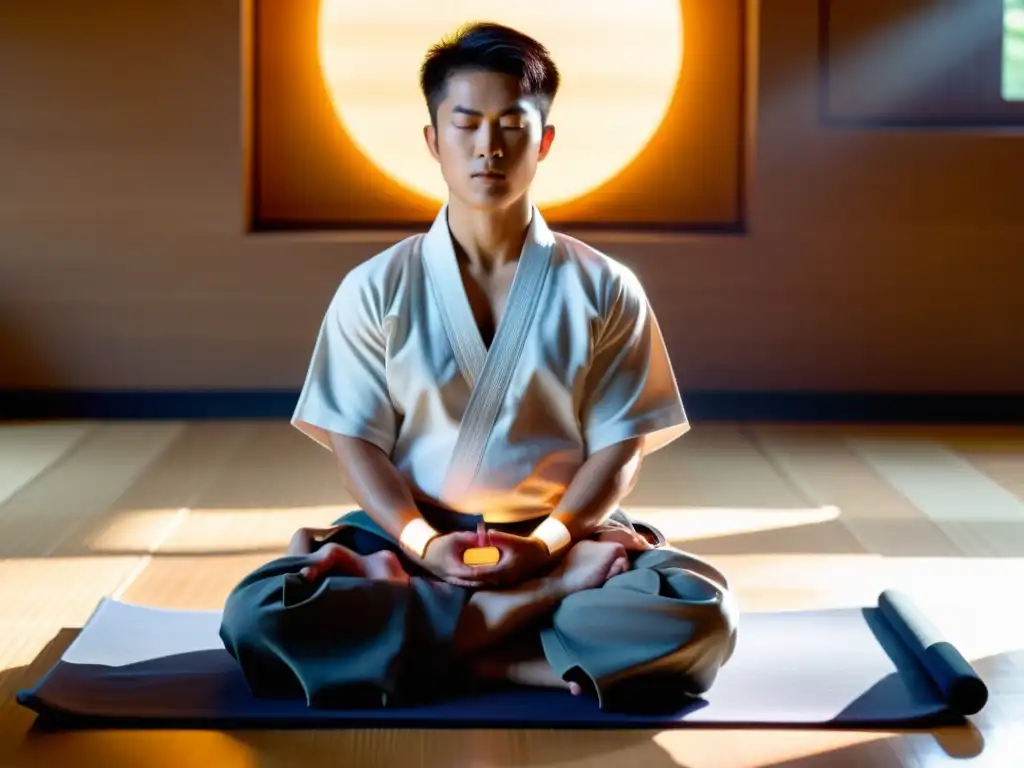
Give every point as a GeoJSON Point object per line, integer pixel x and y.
{"type": "Point", "coordinates": [522, 558]}
{"type": "Point", "coordinates": [443, 558]}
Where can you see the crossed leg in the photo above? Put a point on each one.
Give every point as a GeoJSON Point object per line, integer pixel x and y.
{"type": "Point", "coordinates": [356, 633]}
{"type": "Point", "coordinates": [491, 640]}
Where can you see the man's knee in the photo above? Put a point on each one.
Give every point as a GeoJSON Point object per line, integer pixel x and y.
{"type": "Point", "coordinates": [340, 638]}
{"type": "Point", "coordinates": [667, 558]}
{"type": "Point", "coordinates": [238, 619]}
{"type": "Point", "coordinates": [266, 607]}
{"type": "Point", "coordinates": [711, 646]}
{"type": "Point", "coordinates": [661, 624]}
{"type": "Point", "coordinates": [711, 612]}
{"type": "Point", "coordinates": [251, 626]}
{"type": "Point", "coordinates": [252, 608]}
{"type": "Point", "coordinates": [729, 614]}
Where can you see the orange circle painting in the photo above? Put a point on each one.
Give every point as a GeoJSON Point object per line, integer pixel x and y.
{"type": "Point", "coordinates": [620, 63]}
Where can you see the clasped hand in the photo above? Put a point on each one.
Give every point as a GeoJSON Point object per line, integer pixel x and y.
{"type": "Point", "coordinates": [521, 559]}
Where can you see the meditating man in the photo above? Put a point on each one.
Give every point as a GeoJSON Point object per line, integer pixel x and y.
{"type": "Point", "coordinates": [488, 389]}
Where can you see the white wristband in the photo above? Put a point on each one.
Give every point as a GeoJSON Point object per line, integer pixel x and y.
{"type": "Point", "coordinates": [416, 535]}
{"type": "Point", "coordinates": [554, 534]}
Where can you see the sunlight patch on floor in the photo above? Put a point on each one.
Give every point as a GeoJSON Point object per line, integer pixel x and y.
{"type": "Point", "coordinates": [680, 524]}
{"type": "Point", "coordinates": [969, 600]}
{"type": "Point", "coordinates": [153, 749]}
{"type": "Point", "coordinates": [760, 747]}
{"type": "Point", "coordinates": [134, 531]}
{"type": "Point", "coordinates": [208, 530]}
{"type": "Point", "coordinates": [240, 530]}
{"type": "Point", "coordinates": [41, 596]}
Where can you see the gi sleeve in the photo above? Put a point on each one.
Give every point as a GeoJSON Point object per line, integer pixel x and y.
{"type": "Point", "coordinates": [631, 390]}
{"type": "Point", "coordinates": [346, 388]}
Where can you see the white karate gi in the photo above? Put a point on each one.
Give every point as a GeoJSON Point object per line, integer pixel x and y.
{"type": "Point", "coordinates": [577, 364]}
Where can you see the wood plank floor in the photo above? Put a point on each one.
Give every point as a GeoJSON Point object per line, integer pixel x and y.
{"type": "Point", "coordinates": [173, 514]}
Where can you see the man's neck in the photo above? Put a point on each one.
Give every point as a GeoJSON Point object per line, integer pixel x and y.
{"type": "Point", "coordinates": [489, 239]}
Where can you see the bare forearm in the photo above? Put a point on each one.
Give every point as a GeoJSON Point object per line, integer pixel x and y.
{"type": "Point", "coordinates": [598, 487]}
{"type": "Point", "coordinates": [377, 487]}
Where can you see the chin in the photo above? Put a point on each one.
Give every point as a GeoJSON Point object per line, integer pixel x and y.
{"type": "Point", "coordinates": [493, 199]}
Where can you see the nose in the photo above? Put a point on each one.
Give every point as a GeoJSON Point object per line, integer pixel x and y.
{"type": "Point", "coordinates": [489, 142]}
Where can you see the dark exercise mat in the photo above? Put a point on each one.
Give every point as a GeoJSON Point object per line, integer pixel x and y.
{"type": "Point", "coordinates": [880, 667]}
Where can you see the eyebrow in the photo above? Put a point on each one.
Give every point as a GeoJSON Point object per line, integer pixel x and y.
{"type": "Point", "coordinates": [513, 110]}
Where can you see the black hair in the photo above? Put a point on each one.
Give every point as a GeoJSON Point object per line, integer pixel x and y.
{"type": "Point", "coordinates": [492, 48]}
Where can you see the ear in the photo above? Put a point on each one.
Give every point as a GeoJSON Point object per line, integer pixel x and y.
{"type": "Point", "coordinates": [545, 141]}
{"type": "Point", "coordinates": [430, 136]}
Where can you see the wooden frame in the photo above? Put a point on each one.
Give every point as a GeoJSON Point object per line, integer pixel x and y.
{"type": "Point", "coordinates": [256, 222]}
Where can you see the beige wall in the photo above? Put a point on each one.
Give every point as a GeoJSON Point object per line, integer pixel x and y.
{"type": "Point", "coordinates": [877, 260]}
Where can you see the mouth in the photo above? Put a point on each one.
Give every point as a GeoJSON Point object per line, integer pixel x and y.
{"type": "Point", "coordinates": [489, 175]}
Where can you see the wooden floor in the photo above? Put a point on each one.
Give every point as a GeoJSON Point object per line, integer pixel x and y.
{"type": "Point", "coordinates": [173, 514]}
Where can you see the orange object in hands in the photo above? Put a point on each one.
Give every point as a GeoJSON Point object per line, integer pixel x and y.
{"type": "Point", "coordinates": [483, 553]}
